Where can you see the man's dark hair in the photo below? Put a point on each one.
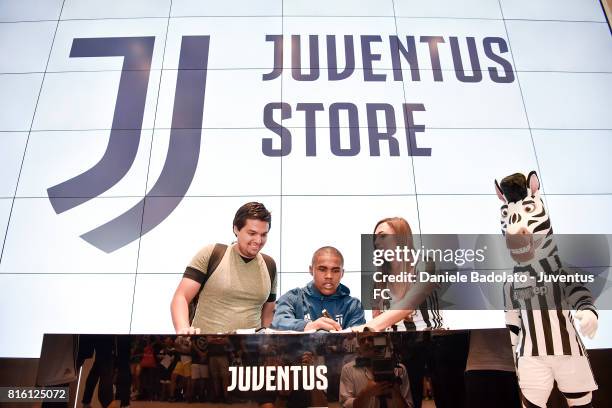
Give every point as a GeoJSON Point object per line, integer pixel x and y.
{"type": "Point", "coordinates": [514, 187]}
{"type": "Point", "coordinates": [252, 211]}
{"type": "Point", "coordinates": [330, 249]}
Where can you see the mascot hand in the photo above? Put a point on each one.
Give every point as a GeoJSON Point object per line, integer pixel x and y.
{"type": "Point", "coordinates": [588, 323]}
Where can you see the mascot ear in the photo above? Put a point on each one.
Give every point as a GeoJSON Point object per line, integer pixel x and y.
{"type": "Point", "coordinates": [499, 192]}
{"type": "Point", "coordinates": [533, 182]}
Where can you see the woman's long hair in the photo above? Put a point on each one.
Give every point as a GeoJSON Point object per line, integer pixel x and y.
{"type": "Point", "coordinates": [403, 235]}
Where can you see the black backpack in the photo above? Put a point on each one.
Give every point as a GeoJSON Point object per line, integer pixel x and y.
{"type": "Point", "coordinates": [213, 262]}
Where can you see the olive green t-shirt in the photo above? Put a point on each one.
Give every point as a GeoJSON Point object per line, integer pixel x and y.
{"type": "Point", "coordinates": [233, 296]}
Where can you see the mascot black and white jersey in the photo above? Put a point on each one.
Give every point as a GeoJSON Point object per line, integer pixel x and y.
{"type": "Point", "coordinates": [542, 329]}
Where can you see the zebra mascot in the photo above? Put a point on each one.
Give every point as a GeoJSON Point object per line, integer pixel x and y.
{"type": "Point", "coordinates": [544, 339]}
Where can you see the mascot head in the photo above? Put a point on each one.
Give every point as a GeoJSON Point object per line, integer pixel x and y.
{"type": "Point", "coordinates": [524, 220]}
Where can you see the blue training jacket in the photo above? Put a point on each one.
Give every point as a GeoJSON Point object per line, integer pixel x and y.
{"type": "Point", "coordinates": [301, 305]}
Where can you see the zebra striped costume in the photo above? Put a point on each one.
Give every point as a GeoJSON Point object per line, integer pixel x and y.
{"type": "Point", "coordinates": [538, 313]}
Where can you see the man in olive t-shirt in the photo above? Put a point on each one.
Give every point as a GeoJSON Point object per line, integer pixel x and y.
{"type": "Point", "coordinates": [239, 294]}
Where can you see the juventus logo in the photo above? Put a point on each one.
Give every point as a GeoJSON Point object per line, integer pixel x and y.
{"type": "Point", "coordinates": [185, 137]}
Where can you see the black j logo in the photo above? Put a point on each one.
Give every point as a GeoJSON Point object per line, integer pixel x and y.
{"type": "Point", "coordinates": [183, 151]}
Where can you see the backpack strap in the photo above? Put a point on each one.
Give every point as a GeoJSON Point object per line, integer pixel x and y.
{"type": "Point", "coordinates": [271, 265]}
{"type": "Point", "coordinates": [213, 262]}
{"type": "Point", "coordinates": [215, 259]}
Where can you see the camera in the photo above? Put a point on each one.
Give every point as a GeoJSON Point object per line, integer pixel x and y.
{"type": "Point", "coordinates": [383, 370]}
{"type": "Point", "coordinates": [383, 367]}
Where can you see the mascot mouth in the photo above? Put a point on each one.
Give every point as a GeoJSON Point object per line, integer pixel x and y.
{"type": "Point", "coordinates": [520, 251]}
{"type": "Point", "coordinates": [522, 246]}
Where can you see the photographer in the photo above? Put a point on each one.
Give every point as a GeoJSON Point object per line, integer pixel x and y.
{"type": "Point", "coordinates": [373, 381]}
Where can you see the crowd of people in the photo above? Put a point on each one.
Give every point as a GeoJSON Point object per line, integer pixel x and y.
{"type": "Point", "coordinates": [181, 368]}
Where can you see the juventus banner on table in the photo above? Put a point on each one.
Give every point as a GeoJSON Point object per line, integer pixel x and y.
{"type": "Point", "coordinates": [281, 370]}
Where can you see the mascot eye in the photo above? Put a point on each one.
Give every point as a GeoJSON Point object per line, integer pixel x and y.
{"type": "Point", "coordinates": [504, 213]}
{"type": "Point", "coordinates": [529, 208]}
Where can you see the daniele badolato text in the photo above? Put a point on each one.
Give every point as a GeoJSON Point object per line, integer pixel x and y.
{"type": "Point", "coordinates": [278, 378]}
{"type": "Point", "coordinates": [481, 277]}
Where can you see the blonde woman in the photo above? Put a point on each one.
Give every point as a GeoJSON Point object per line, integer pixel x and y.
{"type": "Point", "coordinates": [413, 306]}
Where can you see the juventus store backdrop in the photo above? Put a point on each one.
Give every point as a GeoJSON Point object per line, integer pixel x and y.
{"type": "Point", "coordinates": [291, 203]}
